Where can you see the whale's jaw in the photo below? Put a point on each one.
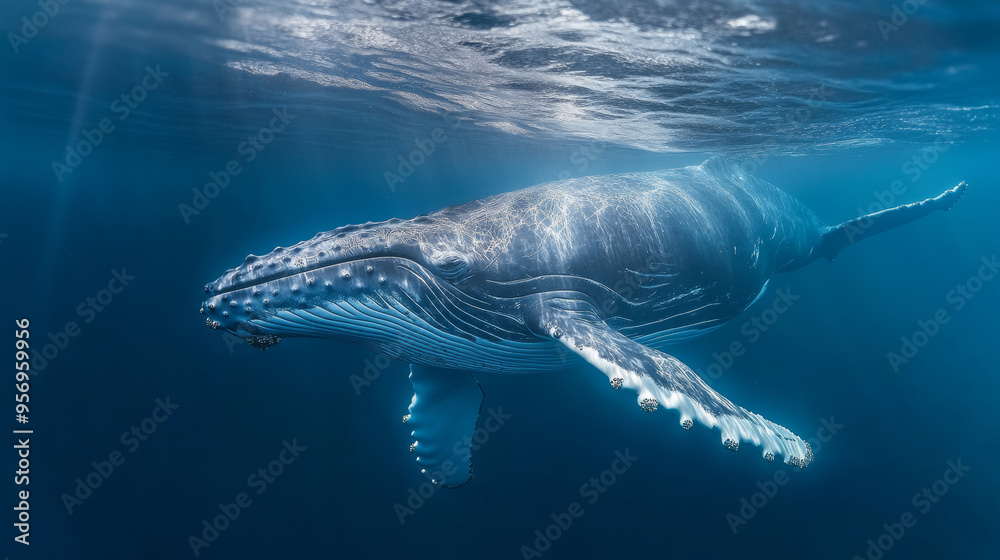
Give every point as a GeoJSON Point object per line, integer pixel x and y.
{"type": "Point", "coordinates": [263, 311]}
{"type": "Point", "coordinates": [353, 267]}
{"type": "Point", "coordinates": [390, 304]}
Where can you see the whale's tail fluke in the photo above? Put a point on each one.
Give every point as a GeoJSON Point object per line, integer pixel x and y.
{"type": "Point", "coordinates": [850, 232]}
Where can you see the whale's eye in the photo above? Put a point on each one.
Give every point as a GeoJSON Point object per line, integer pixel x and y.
{"type": "Point", "coordinates": [450, 265]}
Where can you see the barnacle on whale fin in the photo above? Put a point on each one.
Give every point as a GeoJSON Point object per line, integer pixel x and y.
{"type": "Point", "coordinates": [648, 404]}
{"type": "Point", "coordinates": [262, 341]}
{"type": "Point", "coordinates": [802, 462]}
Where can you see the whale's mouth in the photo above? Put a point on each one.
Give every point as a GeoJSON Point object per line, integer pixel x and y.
{"type": "Point", "coordinates": [246, 297]}
{"type": "Point", "coordinates": [236, 280]}
{"type": "Point", "coordinates": [254, 271]}
{"type": "Point", "coordinates": [337, 248]}
{"type": "Point", "coordinates": [382, 301]}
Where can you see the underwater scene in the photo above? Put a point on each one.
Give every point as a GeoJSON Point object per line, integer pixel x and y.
{"type": "Point", "coordinates": [465, 279]}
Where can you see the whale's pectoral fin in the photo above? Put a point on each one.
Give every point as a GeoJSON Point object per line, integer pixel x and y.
{"type": "Point", "coordinates": [850, 232]}
{"type": "Point", "coordinates": [662, 380]}
{"type": "Point", "coordinates": [443, 415]}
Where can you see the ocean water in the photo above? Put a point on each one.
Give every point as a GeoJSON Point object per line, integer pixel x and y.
{"type": "Point", "coordinates": [149, 146]}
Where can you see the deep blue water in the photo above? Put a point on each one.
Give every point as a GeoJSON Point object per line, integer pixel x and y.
{"type": "Point", "coordinates": [835, 102]}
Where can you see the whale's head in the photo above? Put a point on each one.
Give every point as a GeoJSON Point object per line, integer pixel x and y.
{"type": "Point", "coordinates": [399, 287]}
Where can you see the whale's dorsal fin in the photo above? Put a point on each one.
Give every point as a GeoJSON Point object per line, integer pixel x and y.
{"type": "Point", "coordinates": [662, 380]}
{"type": "Point", "coordinates": [443, 415]}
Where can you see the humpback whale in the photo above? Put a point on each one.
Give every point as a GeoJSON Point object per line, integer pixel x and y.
{"type": "Point", "coordinates": [596, 273]}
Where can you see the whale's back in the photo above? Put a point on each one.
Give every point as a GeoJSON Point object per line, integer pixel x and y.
{"type": "Point", "coordinates": [655, 251]}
